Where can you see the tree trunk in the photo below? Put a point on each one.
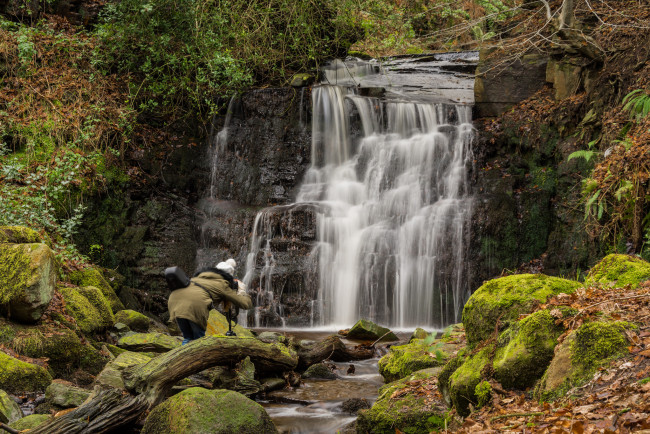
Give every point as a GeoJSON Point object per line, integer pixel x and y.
{"type": "Point", "coordinates": [334, 349]}
{"type": "Point", "coordinates": [154, 378]}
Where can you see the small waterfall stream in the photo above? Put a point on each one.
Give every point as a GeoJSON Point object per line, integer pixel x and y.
{"type": "Point", "coordinates": [389, 181]}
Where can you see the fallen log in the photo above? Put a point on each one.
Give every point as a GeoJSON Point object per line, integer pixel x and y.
{"type": "Point", "coordinates": [150, 383]}
{"type": "Point", "coordinates": [332, 348]}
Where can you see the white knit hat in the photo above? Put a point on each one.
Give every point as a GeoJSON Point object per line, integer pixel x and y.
{"type": "Point", "coordinates": [228, 266]}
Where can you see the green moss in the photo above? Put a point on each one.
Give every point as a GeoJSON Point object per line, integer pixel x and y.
{"type": "Point", "coordinates": [584, 351]}
{"type": "Point", "coordinates": [22, 235]}
{"type": "Point", "coordinates": [526, 349]}
{"type": "Point", "coordinates": [483, 392]}
{"type": "Point", "coordinates": [463, 382]}
{"type": "Point", "coordinates": [116, 351]}
{"type": "Point", "coordinates": [215, 411]}
{"type": "Point", "coordinates": [444, 377]}
{"type": "Point", "coordinates": [17, 376]}
{"type": "Point", "coordinates": [156, 342]}
{"type": "Point", "coordinates": [407, 413]}
{"type": "Point", "coordinates": [15, 272]}
{"type": "Point", "coordinates": [135, 320]}
{"type": "Point", "coordinates": [619, 270]}
{"type": "Point", "coordinates": [99, 302]}
{"type": "Point", "coordinates": [402, 360]}
{"type": "Point", "coordinates": [30, 422]}
{"type": "Point", "coordinates": [86, 315]}
{"type": "Point", "coordinates": [505, 299]}
{"type": "Point", "coordinates": [92, 276]}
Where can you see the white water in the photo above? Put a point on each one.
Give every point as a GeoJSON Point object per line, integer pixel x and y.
{"type": "Point", "coordinates": [391, 248]}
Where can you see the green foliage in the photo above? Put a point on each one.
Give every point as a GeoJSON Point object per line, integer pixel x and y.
{"type": "Point", "coordinates": [637, 103]}
{"type": "Point", "coordinates": [184, 55]}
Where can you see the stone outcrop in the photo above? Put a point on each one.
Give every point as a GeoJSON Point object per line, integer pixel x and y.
{"type": "Point", "coordinates": [27, 280]}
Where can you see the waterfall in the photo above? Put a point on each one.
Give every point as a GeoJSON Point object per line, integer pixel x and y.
{"type": "Point", "coordinates": [388, 179]}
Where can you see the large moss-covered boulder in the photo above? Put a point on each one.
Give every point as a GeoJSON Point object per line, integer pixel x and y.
{"type": "Point", "coordinates": [29, 422]}
{"type": "Point", "coordinates": [62, 347]}
{"type": "Point", "coordinates": [198, 410]}
{"type": "Point", "coordinates": [149, 342]}
{"type": "Point", "coordinates": [218, 325]}
{"type": "Point", "coordinates": [463, 381]}
{"type": "Point", "coordinates": [9, 410]}
{"type": "Point", "coordinates": [526, 349]}
{"type": "Point", "coordinates": [92, 276]}
{"type": "Point", "coordinates": [369, 331]}
{"type": "Point", "coordinates": [65, 395]}
{"type": "Point", "coordinates": [135, 320]}
{"type": "Point", "coordinates": [89, 307]}
{"type": "Point", "coordinates": [111, 375]}
{"type": "Point", "coordinates": [405, 412]}
{"type": "Point", "coordinates": [22, 235]}
{"type": "Point", "coordinates": [579, 356]}
{"type": "Point", "coordinates": [319, 371]}
{"type": "Point", "coordinates": [17, 376]}
{"type": "Point", "coordinates": [403, 360]}
{"type": "Point", "coordinates": [619, 270]}
{"type": "Point", "coordinates": [27, 280]}
{"type": "Point", "coordinates": [505, 299]}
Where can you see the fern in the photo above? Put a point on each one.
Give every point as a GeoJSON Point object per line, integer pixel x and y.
{"type": "Point", "coordinates": [582, 153]}
{"type": "Point", "coordinates": [637, 103]}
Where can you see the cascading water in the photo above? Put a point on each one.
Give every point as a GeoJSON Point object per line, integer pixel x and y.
{"type": "Point", "coordinates": [393, 205]}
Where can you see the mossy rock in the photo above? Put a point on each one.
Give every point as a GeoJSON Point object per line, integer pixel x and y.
{"type": "Point", "coordinates": [272, 337]}
{"type": "Point", "coordinates": [96, 297]}
{"type": "Point", "coordinates": [319, 371]}
{"type": "Point", "coordinates": [578, 357]}
{"type": "Point", "coordinates": [444, 378]}
{"type": "Point", "coordinates": [135, 320]}
{"type": "Point", "coordinates": [244, 380]}
{"type": "Point", "coordinates": [81, 309]}
{"type": "Point", "coordinates": [218, 325]}
{"type": "Point", "coordinates": [302, 80]}
{"type": "Point", "coordinates": [64, 349]}
{"type": "Point", "coordinates": [27, 280]}
{"type": "Point", "coordinates": [92, 276]}
{"type": "Point", "coordinates": [526, 349]}
{"type": "Point", "coordinates": [65, 395]}
{"type": "Point", "coordinates": [619, 270]}
{"type": "Point", "coordinates": [407, 413]}
{"type": "Point", "coordinates": [419, 333]}
{"type": "Point", "coordinates": [17, 376]}
{"type": "Point", "coordinates": [22, 235]}
{"type": "Point", "coordinates": [9, 409]}
{"type": "Point", "coordinates": [403, 360]}
{"type": "Point", "coordinates": [505, 299]}
{"type": "Point", "coordinates": [369, 331]}
{"type": "Point", "coordinates": [198, 410]}
{"type": "Point", "coordinates": [463, 382]}
{"type": "Point", "coordinates": [149, 342]}
{"type": "Point", "coordinates": [30, 422]}
{"type": "Point", "coordinates": [111, 375]}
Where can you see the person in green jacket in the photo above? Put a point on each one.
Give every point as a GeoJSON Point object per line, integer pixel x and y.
{"type": "Point", "coordinates": [190, 306]}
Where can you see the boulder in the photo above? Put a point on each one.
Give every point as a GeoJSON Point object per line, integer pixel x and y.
{"type": "Point", "coordinates": [270, 384]}
{"type": "Point", "coordinates": [244, 380]}
{"type": "Point", "coordinates": [22, 235]}
{"type": "Point", "coordinates": [578, 357]}
{"type": "Point", "coordinates": [369, 331]}
{"type": "Point", "coordinates": [272, 337]}
{"type": "Point", "coordinates": [96, 298]}
{"type": "Point", "coordinates": [149, 342]}
{"type": "Point", "coordinates": [409, 413]}
{"type": "Point", "coordinates": [9, 409]}
{"type": "Point", "coordinates": [403, 360]}
{"type": "Point", "coordinates": [17, 376]}
{"type": "Point", "coordinates": [619, 270]}
{"type": "Point", "coordinates": [29, 422]}
{"type": "Point", "coordinates": [65, 395]}
{"type": "Point", "coordinates": [198, 410]}
{"type": "Point", "coordinates": [525, 350]}
{"type": "Point", "coordinates": [135, 320]}
{"type": "Point", "coordinates": [463, 381]}
{"type": "Point", "coordinates": [27, 280]}
{"type": "Point", "coordinates": [419, 334]}
{"type": "Point", "coordinates": [506, 298]}
{"type": "Point", "coordinates": [302, 80]}
{"type": "Point", "coordinates": [111, 375]}
{"type": "Point", "coordinates": [92, 276]}
{"type": "Point", "coordinates": [218, 325]}
{"type": "Point", "coordinates": [87, 317]}
{"type": "Point", "coordinates": [319, 371]}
